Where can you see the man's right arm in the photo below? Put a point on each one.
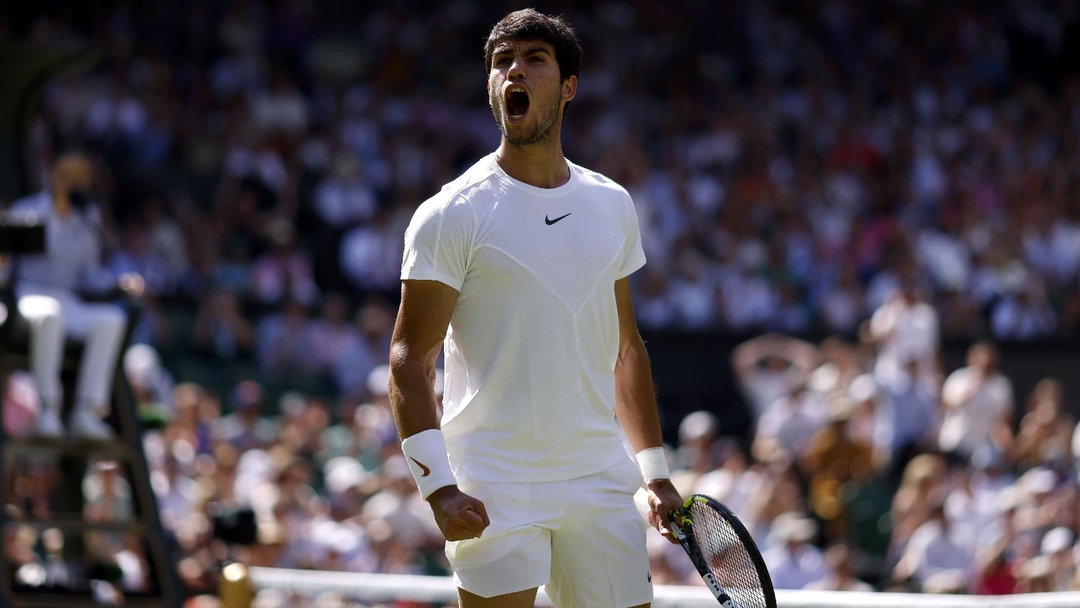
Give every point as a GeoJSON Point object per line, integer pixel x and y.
{"type": "Point", "coordinates": [422, 321]}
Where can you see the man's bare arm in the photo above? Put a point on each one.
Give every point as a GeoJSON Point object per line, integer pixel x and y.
{"type": "Point", "coordinates": [422, 321]}
{"type": "Point", "coordinates": [423, 318]}
{"type": "Point", "coordinates": [635, 407]}
{"type": "Point", "coordinates": [635, 399]}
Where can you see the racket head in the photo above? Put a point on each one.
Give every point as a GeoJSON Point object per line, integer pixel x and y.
{"type": "Point", "coordinates": [720, 545]}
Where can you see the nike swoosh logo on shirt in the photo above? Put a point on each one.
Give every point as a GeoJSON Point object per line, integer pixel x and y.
{"type": "Point", "coordinates": [550, 222]}
{"type": "Point", "coordinates": [423, 468]}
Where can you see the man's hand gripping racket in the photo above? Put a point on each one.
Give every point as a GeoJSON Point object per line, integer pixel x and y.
{"type": "Point", "coordinates": [723, 552]}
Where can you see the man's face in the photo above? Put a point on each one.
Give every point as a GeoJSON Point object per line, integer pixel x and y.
{"type": "Point", "coordinates": [73, 173]}
{"type": "Point", "coordinates": [526, 91]}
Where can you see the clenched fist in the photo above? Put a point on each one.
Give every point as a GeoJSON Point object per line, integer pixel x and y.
{"type": "Point", "coordinates": [459, 515]}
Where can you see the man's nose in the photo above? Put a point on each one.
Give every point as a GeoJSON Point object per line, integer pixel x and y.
{"type": "Point", "coordinates": [517, 69]}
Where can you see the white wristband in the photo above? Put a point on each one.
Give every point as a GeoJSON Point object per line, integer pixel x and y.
{"type": "Point", "coordinates": [653, 463]}
{"type": "Point", "coordinates": [426, 454]}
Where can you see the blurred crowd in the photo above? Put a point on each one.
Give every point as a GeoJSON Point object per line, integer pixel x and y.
{"type": "Point", "coordinates": [871, 468]}
{"type": "Point", "coordinates": [891, 172]}
{"type": "Point", "coordinates": [791, 164]}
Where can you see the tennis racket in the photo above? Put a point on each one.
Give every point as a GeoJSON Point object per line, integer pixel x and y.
{"type": "Point", "coordinates": [724, 553]}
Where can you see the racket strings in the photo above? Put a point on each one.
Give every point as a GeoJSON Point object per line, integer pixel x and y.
{"type": "Point", "coordinates": [726, 557]}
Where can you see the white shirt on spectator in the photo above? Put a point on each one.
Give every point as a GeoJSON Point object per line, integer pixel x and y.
{"type": "Point", "coordinates": [1022, 319]}
{"type": "Point", "coordinates": [340, 202]}
{"type": "Point", "coordinates": [907, 333]}
{"type": "Point", "coordinates": [764, 388]}
{"type": "Point", "coordinates": [979, 404]}
{"type": "Point", "coordinates": [792, 421]}
{"type": "Point", "coordinates": [1065, 242]}
{"type": "Point", "coordinates": [370, 257]}
{"type": "Point", "coordinates": [795, 570]}
{"type": "Point", "coordinates": [935, 552]}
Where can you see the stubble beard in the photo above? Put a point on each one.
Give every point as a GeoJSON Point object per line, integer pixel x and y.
{"type": "Point", "coordinates": [543, 130]}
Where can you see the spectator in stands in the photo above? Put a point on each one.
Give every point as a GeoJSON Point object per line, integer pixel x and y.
{"type": "Point", "coordinates": [831, 459]}
{"type": "Point", "coordinates": [770, 368]}
{"type": "Point", "coordinates": [841, 561]}
{"type": "Point", "coordinates": [1025, 315]}
{"type": "Point", "coordinates": [696, 452]}
{"type": "Point", "coordinates": [839, 367]}
{"type": "Point", "coordinates": [247, 428]}
{"type": "Point", "coordinates": [933, 560]}
{"type": "Point", "coordinates": [1045, 431]}
{"type": "Point", "coordinates": [221, 331]}
{"type": "Point", "coordinates": [923, 481]}
{"type": "Point", "coordinates": [370, 256]}
{"type": "Point", "coordinates": [978, 405]}
{"type": "Point", "coordinates": [71, 264]}
{"type": "Point", "coordinates": [909, 411]}
{"type": "Point", "coordinates": [335, 344]}
{"type": "Point", "coordinates": [283, 272]}
{"type": "Point", "coordinates": [785, 430]}
{"type": "Point", "coordinates": [792, 561]}
{"type": "Point", "coordinates": [734, 481]}
{"type": "Point", "coordinates": [283, 340]}
{"type": "Point", "coordinates": [344, 197]}
{"type": "Point", "coordinates": [905, 328]}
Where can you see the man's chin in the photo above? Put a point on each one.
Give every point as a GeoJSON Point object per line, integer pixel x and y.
{"type": "Point", "coordinates": [523, 136]}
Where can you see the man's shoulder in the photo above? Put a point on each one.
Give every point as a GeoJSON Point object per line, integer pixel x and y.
{"type": "Point", "coordinates": [475, 180]}
{"type": "Point", "coordinates": [471, 187]}
{"type": "Point", "coordinates": [37, 203]}
{"type": "Point", "coordinates": [599, 181]}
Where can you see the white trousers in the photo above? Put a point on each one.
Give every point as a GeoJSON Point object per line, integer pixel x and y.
{"type": "Point", "coordinates": [54, 315]}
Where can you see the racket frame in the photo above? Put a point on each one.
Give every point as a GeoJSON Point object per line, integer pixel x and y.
{"type": "Point", "coordinates": [681, 523]}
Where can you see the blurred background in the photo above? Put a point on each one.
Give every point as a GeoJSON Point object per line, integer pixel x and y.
{"type": "Point", "coordinates": [862, 300]}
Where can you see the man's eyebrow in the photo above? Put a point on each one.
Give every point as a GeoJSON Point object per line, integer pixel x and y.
{"type": "Point", "coordinates": [532, 50]}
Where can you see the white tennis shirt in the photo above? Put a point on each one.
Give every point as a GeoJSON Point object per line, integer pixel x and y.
{"type": "Point", "coordinates": [530, 353]}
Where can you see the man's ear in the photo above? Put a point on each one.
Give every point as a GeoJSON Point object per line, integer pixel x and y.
{"type": "Point", "coordinates": [569, 88]}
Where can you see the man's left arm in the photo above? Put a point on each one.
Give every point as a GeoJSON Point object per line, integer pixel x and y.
{"type": "Point", "coordinates": [635, 406]}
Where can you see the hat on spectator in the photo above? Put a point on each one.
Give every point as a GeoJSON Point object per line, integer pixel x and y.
{"type": "Point", "coordinates": [141, 364]}
{"type": "Point", "coordinates": [1039, 480]}
{"type": "Point", "coordinates": [377, 380]}
{"type": "Point", "coordinates": [1057, 540]}
{"type": "Point", "coordinates": [395, 468]}
{"type": "Point", "coordinates": [292, 404]}
{"type": "Point", "coordinates": [793, 527]}
{"type": "Point", "coordinates": [862, 389]}
{"type": "Point", "coordinates": [697, 425]}
{"type": "Point", "coordinates": [343, 473]}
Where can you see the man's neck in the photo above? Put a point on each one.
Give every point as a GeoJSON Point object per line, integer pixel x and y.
{"type": "Point", "coordinates": [541, 165]}
{"type": "Point", "coordinates": [61, 204]}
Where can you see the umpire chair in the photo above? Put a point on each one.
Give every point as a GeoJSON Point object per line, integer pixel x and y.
{"type": "Point", "coordinates": [26, 70]}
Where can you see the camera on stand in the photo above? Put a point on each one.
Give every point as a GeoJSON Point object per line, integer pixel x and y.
{"type": "Point", "coordinates": [19, 237]}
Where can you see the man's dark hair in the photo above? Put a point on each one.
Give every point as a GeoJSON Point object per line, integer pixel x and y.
{"type": "Point", "coordinates": [527, 24]}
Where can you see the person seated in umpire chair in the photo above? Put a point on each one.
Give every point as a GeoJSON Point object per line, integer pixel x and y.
{"type": "Point", "coordinates": [50, 287]}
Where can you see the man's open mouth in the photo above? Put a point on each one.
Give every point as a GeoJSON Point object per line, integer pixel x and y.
{"type": "Point", "coordinates": [517, 103]}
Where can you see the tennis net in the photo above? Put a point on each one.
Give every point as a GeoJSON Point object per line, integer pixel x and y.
{"type": "Point", "coordinates": [304, 588]}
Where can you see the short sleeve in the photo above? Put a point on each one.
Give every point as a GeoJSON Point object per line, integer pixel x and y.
{"type": "Point", "coordinates": [633, 256]}
{"type": "Point", "coordinates": [438, 242]}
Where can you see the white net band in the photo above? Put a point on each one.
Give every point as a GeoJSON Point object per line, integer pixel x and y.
{"type": "Point", "coordinates": [436, 589]}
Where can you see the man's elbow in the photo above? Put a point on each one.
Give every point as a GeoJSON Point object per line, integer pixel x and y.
{"type": "Point", "coordinates": [406, 361]}
{"type": "Point", "coordinates": [632, 352]}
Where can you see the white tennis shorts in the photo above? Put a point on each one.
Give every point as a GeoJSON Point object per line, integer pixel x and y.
{"type": "Point", "coordinates": [582, 538]}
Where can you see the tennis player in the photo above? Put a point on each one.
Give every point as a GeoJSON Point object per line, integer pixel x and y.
{"type": "Point", "coordinates": [518, 270]}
